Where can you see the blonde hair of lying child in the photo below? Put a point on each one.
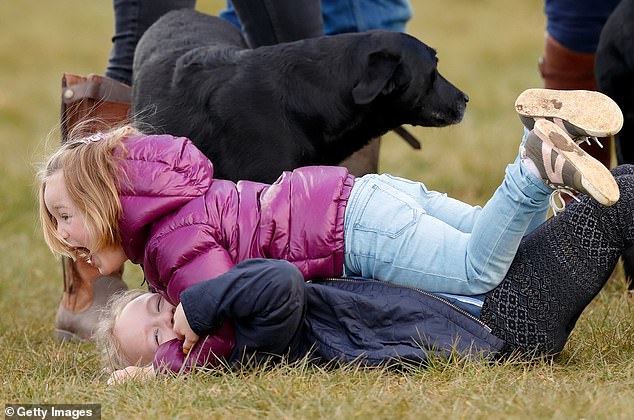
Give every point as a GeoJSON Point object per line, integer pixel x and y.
{"type": "Point", "coordinates": [113, 356]}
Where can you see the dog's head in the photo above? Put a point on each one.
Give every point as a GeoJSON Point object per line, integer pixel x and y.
{"type": "Point", "coordinates": [399, 68]}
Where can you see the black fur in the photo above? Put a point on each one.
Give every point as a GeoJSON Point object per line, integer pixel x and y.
{"type": "Point", "coordinates": [257, 112]}
{"type": "Point", "coordinates": [614, 67]}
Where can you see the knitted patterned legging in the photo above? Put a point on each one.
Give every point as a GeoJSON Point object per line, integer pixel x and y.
{"type": "Point", "coordinates": [559, 268]}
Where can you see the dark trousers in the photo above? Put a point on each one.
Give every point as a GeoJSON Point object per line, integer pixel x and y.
{"type": "Point", "coordinates": [265, 22]}
{"type": "Point", "coordinates": [558, 269]}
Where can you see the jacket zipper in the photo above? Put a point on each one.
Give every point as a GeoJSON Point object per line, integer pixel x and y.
{"type": "Point", "coordinates": [438, 298]}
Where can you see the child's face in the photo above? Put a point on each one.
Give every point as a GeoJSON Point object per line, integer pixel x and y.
{"type": "Point", "coordinates": [143, 325]}
{"type": "Point", "coordinates": [71, 226]}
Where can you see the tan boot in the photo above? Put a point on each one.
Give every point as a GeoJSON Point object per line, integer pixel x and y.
{"type": "Point", "coordinates": [104, 103]}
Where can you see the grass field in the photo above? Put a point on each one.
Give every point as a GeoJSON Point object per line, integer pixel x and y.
{"type": "Point", "coordinates": [489, 48]}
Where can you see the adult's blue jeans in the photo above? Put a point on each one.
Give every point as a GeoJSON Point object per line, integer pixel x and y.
{"type": "Point", "coordinates": [399, 231]}
{"type": "Point", "coordinates": [577, 24]}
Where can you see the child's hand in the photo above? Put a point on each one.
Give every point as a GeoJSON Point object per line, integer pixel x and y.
{"type": "Point", "coordinates": [131, 372]}
{"type": "Point", "coordinates": [183, 330]}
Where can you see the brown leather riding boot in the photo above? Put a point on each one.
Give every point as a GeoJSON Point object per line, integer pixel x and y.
{"type": "Point", "coordinates": [104, 103]}
{"type": "Point", "coordinates": [562, 68]}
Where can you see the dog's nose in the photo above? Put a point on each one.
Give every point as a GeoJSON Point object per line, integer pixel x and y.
{"type": "Point", "coordinates": [466, 98]}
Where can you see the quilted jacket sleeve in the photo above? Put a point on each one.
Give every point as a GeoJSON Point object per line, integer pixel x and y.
{"type": "Point", "coordinates": [209, 352]}
{"type": "Point", "coordinates": [262, 300]}
{"type": "Point", "coordinates": [265, 300]}
{"type": "Point", "coordinates": [187, 256]}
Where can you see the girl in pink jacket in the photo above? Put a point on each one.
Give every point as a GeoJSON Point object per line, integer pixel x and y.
{"type": "Point", "coordinates": [153, 199]}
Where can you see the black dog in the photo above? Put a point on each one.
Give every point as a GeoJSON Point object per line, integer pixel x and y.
{"type": "Point", "coordinates": [257, 112]}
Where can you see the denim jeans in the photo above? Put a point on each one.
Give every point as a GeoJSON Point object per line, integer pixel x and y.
{"type": "Point", "coordinates": [340, 16]}
{"type": "Point", "coordinates": [398, 231]}
{"type": "Point", "coordinates": [577, 24]}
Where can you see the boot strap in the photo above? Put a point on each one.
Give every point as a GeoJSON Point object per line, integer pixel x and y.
{"type": "Point", "coordinates": [103, 102]}
{"type": "Point", "coordinates": [98, 90]}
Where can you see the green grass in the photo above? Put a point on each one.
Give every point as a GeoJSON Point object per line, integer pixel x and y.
{"type": "Point", "coordinates": [490, 49]}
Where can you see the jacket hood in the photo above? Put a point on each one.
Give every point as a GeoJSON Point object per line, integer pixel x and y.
{"type": "Point", "coordinates": [161, 174]}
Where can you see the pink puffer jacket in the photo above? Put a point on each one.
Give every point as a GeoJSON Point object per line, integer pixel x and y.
{"type": "Point", "coordinates": [186, 227]}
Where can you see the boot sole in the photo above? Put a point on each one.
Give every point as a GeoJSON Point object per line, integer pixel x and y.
{"type": "Point", "coordinates": [595, 177]}
{"type": "Point", "coordinates": [593, 112]}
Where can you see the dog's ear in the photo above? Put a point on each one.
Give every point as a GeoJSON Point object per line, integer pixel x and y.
{"type": "Point", "coordinates": [383, 73]}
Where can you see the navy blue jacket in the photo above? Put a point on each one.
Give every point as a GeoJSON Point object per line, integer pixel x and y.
{"type": "Point", "coordinates": [276, 313]}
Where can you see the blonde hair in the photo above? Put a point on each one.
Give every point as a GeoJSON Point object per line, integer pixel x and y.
{"type": "Point", "coordinates": [92, 177]}
{"type": "Point", "coordinates": [112, 356]}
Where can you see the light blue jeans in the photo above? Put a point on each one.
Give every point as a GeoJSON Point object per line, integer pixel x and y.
{"type": "Point", "coordinates": [398, 231]}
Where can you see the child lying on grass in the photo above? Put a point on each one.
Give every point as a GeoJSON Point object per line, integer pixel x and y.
{"type": "Point", "coordinates": [275, 313]}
